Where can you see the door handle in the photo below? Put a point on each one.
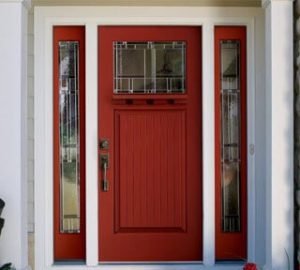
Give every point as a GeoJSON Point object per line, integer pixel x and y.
{"type": "Point", "coordinates": [104, 158]}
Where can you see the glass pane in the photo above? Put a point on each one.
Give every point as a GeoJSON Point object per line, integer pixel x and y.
{"type": "Point", "coordinates": [230, 188]}
{"type": "Point", "coordinates": [230, 137]}
{"type": "Point", "coordinates": [69, 137]}
{"type": "Point", "coordinates": [149, 67]}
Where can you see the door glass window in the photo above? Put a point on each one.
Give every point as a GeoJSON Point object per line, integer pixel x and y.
{"type": "Point", "coordinates": [69, 137]}
{"type": "Point", "coordinates": [230, 135]}
{"type": "Point", "coordinates": [149, 67]}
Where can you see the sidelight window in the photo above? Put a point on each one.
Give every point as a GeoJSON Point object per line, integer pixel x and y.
{"type": "Point", "coordinates": [230, 135]}
{"type": "Point", "coordinates": [69, 142]}
{"type": "Point", "coordinates": [231, 142]}
{"type": "Point", "coordinates": [69, 115]}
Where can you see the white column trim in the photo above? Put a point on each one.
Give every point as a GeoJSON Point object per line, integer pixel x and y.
{"type": "Point", "coordinates": [48, 146]}
{"type": "Point", "coordinates": [92, 186]}
{"type": "Point", "coordinates": [208, 133]}
{"type": "Point", "coordinates": [279, 133]}
{"type": "Point", "coordinates": [251, 142]}
{"type": "Point", "coordinates": [40, 140]}
{"type": "Point", "coordinates": [13, 143]}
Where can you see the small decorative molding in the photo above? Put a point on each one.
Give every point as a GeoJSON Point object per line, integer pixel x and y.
{"type": "Point", "coordinates": [266, 3]}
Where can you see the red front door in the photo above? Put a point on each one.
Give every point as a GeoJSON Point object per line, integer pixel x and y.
{"type": "Point", "coordinates": [150, 143]}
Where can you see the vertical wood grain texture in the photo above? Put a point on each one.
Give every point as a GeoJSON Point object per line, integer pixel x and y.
{"type": "Point", "coordinates": [152, 181]}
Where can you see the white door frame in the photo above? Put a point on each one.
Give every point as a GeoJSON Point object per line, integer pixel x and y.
{"type": "Point", "coordinates": [92, 17]}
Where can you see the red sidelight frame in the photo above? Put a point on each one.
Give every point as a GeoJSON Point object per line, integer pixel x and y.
{"type": "Point", "coordinates": [68, 246]}
{"type": "Point", "coordinates": [231, 245]}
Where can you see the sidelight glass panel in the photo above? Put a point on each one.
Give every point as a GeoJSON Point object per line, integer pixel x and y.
{"type": "Point", "coordinates": [230, 135]}
{"type": "Point", "coordinates": [149, 67]}
{"type": "Point", "coordinates": [69, 136]}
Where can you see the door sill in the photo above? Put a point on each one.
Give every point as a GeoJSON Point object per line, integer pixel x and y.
{"type": "Point", "coordinates": [189, 265]}
{"type": "Point", "coordinates": [151, 263]}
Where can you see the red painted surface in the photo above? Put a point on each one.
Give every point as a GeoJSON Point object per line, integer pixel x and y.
{"type": "Point", "coordinates": [152, 211]}
{"type": "Point", "coordinates": [68, 246]}
{"type": "Point", "coordinates": [150, 186]}
{"type": "Point", "coordinates": [231, 245]}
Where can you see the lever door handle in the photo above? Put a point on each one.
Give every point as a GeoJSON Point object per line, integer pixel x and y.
{"type": "Point", "coordinates": [104, 165]}
{"type": "Point", "coordinates": [105, 184]}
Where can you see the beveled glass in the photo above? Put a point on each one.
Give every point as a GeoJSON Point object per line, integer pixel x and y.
{"type": "Point", "coordinates": [230, 135]}
{"type": "Point", "coordinates": [69, 129]}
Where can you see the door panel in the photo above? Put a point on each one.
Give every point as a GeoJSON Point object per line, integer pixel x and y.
{"type": "Point", "coordinates": [150, 186]}
{"type": "Point", "coordinates": [152, 209]}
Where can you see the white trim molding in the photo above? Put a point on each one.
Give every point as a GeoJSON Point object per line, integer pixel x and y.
{"type": "Point", "coordinates": [13, 142]}
{"type": "Point", "coordinates": [279, 131]}
{"type": "Point", "coordinates": [208, 133]}
{"type": "Point", "coordinates": [92, 17]}
{"type": "Point", "coordinates": [92, 144]}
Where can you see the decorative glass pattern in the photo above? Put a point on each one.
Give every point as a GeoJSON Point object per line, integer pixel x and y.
{"type": "Point", "coordinates": [230, 135]}
{"type": "Point", "coordinates": [149, 67]}
{"type": "Point", "coordinates": [69, 136]}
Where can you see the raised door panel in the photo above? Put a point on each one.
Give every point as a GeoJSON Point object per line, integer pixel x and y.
{"type": "Point", "coordinates": [151, 171]}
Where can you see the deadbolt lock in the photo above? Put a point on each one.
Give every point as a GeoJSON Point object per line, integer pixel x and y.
{"type": "Point", "coordinates": [104, 144]}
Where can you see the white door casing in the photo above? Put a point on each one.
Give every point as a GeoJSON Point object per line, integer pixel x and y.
{"type": "Point", "coordinates": [92, 17]}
